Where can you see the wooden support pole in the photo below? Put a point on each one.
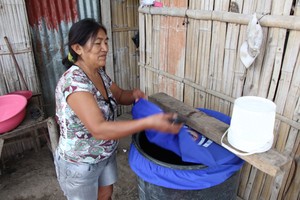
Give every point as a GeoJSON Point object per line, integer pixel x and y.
{"type": "Point", "coordinates": [53, 133]}
{"type": "Point", "coordinates": [1, 146]}
{"type": "Point", "coordinates": [276, 21]}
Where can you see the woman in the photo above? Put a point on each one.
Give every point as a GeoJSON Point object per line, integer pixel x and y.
{"type": "Point", "coordinates": [86, 101]}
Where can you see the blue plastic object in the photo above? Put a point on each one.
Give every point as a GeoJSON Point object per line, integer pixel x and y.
{"type": "Point", "coordinates": [202, 151]}
{"type": "Point", "coordinates": [216, 163]}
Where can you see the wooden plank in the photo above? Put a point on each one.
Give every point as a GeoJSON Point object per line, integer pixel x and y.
{"type": "Point", "coordinates": [189, 93]}
{"type": "Point", "coordinates": [153, 78]}
{"type": "Point", "coordinates": [258, 182]}
{"type": "Point", "coordinates": [24, 129]}
{"type": "Point", "coordinates": [176, 50]}
{"type": "Point", "coordinates": [269, 162]}
{"type": "Point", "coordinates": [148, 36]}
{"type": "Point", "coordinates": [276, 185]}
{"type": "Point", "coordinates": [243, 180]}
{"type": "Point", "coordinates": [191, 50]}
{"type": "Point", "coordinates": [156, 42]}
{"type": "Point", "coordinates": [251, 182]}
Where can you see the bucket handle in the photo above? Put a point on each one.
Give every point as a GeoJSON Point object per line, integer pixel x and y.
{"type": "Point", "coordinates": [232, 149]}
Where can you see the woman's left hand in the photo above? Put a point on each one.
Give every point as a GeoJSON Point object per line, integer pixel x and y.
{"type": "Point", "coordinates": [137, 94]}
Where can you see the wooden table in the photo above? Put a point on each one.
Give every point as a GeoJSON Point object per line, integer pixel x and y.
{"type": "Point", "coordinates": [32, 126]}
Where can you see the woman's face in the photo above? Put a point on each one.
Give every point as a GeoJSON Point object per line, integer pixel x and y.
{"type": "Point", "coordinates": [95, 51]}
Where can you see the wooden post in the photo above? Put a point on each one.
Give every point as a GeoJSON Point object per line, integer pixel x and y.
{"type": "Point", "coordinates": [294, 190]}
{"type": "Point", "coordinates": [1, 145]}
{"type": "Point", "coordinates": [53, 133]}
{"type": "Point", "coordinates": [106, 21]}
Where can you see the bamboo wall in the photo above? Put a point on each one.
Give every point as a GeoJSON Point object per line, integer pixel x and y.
{"type": "Point", "coordinates": [124, 27]}
{"type": "Point", "coordinates": [14, 26]}
{"type": "Point", "coordinates": [189, 49]}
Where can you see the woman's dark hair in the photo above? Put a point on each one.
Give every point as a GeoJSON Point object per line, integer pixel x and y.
{"type": "Point", "coordinates": [80, 33]}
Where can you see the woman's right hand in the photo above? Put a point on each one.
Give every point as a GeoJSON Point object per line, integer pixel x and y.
{"type": "Point", "coordinates": [162, 122]}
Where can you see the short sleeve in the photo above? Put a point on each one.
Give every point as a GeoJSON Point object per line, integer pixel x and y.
{"type": "Point", "coordinates": [75, 81]}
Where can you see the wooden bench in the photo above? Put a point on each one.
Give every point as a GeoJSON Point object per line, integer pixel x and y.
{"type": "Point", "coordinates": [31, 126]}
{"type": "Point", "coordinates": [271, 162]}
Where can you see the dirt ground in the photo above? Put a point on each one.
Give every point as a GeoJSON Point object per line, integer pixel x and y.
{"type": "Point", "coordinates": [31, 176]}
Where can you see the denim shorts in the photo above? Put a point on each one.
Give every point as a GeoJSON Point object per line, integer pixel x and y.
{"type": "Point", "coordinates": [80, 181]}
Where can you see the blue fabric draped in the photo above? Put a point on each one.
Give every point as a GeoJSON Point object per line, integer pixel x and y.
{"type": "Point", "coordinates": [221, 163]}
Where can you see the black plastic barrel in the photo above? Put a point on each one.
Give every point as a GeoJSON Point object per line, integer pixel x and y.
{"type": "Point", "coordinates": [227, 190]}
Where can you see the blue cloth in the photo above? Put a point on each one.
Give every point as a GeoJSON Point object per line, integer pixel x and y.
{"type": "Point", "coordinates": [201, 151]}
{"type": "Point", "coordinates": [221, 163]}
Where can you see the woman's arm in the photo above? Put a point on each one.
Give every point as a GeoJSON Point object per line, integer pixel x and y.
{"type": "Point", "coordinates": [87, 110]}
{"type": "Point", "coordinates": [126, 97]}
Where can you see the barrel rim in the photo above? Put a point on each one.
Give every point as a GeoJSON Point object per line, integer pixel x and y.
{"type": "Point", "coordinates": [135, 142]}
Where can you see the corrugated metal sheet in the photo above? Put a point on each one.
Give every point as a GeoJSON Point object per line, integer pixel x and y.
{"type": "Point", "coordinates": [49, 23]}
{"type": "Point", "coordinates": [89, 9]}
{"type": "Point", "coordinates": [14, 25]}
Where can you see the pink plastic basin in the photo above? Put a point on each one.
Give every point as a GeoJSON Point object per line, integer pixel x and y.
{"type": "Point", "coordinates": [26, 93]}
{"type": "Point", "coordinates": [12, 111]}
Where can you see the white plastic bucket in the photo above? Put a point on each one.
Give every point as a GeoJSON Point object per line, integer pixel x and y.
{"type": "Point", "coordinates": [252, 125]}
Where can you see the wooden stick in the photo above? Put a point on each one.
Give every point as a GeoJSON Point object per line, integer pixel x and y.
{"type": "Point", "coordinates": [125, 29]}
{"type": "Point", "coordinates": [15, 62]}
{"type": "Point", "coordinates": [142, 49]}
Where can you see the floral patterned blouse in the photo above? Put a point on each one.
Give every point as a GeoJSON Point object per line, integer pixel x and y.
{"type": "Point", "coordinates": [76, 144]}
